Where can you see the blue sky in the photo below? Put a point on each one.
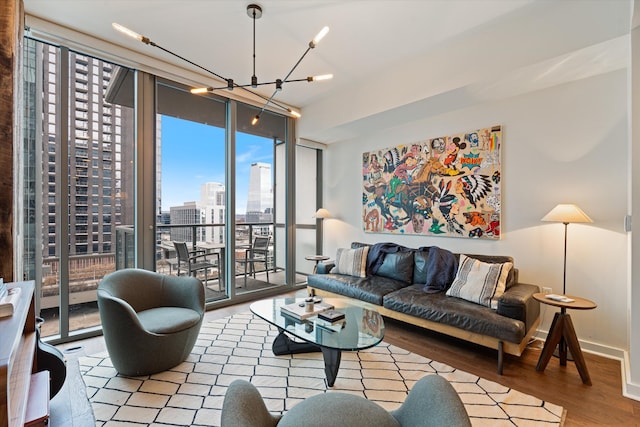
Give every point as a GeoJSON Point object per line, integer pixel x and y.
{"type": "Point", "coordinates": [193, 153]}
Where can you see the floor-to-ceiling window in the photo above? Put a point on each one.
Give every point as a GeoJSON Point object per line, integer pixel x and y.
{"type": "Point", "coordinates": [308, 179]}
{"type": "Point", "coordinates": [77, 171]}
{"type": "Point", "coordinates": [216, 183]}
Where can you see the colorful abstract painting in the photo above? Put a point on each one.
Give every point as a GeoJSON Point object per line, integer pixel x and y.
{"type": "Point", "coordinates": [444, 186]}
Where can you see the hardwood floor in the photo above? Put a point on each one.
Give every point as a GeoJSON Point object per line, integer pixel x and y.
{"type": "Point", "coordinates": [601, 404]}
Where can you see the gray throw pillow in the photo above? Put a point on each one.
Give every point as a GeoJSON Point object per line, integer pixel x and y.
{"type": "Point", "coordinates": [480, 282]}
{"type": "Point", "coordinates": [352, 262]}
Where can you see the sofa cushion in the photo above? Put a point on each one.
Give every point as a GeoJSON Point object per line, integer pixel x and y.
{"type": "Point", "coordinates": [480, 282]}
{"type": "Point", "coordinates": [412, 300]}
{"type": "Point", "coordinates": [398, 265]}
{"type": "Point", "coordinates": [370, 289]}
{"type": "Point", "coordinates": [352, 262]}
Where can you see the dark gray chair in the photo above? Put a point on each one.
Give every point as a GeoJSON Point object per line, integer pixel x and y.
{"type": "Point", "coordinates": [432, 402]}
{"type": "Point", "coordinates": [257, 253]}
{"type": "Point", "coordinates": [196, 260]}
{"type": "Point", "coordinates": [150, 321]}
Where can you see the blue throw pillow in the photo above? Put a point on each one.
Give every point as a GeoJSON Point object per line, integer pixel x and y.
{"type": "Point", "coordinates": [442, 266]}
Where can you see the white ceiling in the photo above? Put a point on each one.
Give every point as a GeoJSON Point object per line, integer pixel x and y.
{"type": "Point", "coordinates": [404, 52]}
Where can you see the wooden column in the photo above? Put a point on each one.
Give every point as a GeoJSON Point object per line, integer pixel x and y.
{"type": "Point", "coordinates": [11, 31]}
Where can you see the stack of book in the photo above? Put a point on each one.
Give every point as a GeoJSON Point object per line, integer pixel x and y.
{"type": "Point", "coordinates": [9, 300]}
{"type": "Point", "coordinates": [299, 311]}
{"type": "Point", "coordinates": [331, 316]}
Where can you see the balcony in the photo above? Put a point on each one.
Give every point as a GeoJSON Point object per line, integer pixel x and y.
{"type": "Point", "coordinates": [86, 271]}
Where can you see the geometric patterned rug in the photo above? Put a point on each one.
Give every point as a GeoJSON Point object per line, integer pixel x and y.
{"type": "Point", "coordinates": [239, 346]}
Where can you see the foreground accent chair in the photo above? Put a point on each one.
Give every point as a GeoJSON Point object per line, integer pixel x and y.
{"type": "Point", "coordinates": [432, 402]}
{"type": "Point", "coordinates": [150, 321]}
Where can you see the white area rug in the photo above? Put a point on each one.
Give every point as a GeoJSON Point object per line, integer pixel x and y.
{"type": "Point", "coordinates": [191, 394]}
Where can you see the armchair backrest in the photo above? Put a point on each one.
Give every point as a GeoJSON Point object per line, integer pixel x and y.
{"type": "Point", "coordinates": [182, 252]}
{"type": "Point", "coordinates": [143, 289]}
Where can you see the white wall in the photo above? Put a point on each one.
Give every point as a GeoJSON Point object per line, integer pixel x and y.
{"type": "Point", "coordinates": [564, 144]}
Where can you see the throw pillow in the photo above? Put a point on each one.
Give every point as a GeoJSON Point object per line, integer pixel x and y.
{"type": "Point", "coordinates": [352, 262]}
{"type": "Point", "coordinates": [480, 282]}
{"type": "Point", "coordinates": [398, 266]}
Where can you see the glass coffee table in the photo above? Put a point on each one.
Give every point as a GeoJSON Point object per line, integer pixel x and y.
{"type": "Point", "coordinates": [362, 328]}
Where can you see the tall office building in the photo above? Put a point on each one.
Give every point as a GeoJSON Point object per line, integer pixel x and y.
{"type": "Point", "coordinates": [189, 213]}
{"type": "Point", "coordinates": [260, 197]}
{"type": "Point", "coordinates": [212, 199]}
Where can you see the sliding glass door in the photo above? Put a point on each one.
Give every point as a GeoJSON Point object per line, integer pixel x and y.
{"type": "Point", "coordinates": [191, 185]}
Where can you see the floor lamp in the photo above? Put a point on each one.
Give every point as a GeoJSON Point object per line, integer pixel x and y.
{"type": "Point", "coordinates": [566, 214]}
{"type": "Point", "coordinates": [321, 214]}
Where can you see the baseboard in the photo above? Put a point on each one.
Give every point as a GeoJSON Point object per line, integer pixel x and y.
{"type": "Point", "coordinates": [593, 348]}
{"type": "Point", "coordinates": [629, 389]}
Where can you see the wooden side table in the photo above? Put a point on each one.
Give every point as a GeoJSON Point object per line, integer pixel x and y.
{"type": "Point", "coordinates": [563, 334]}
{"type": "Point", "coordinates": [317, 259]}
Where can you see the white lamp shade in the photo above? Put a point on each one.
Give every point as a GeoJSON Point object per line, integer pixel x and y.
{"type": "Point", "coordinates": [567, 213]}
{"type": "Point", "coordinates": [322, 213]}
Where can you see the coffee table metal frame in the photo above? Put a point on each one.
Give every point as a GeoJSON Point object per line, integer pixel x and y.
{"type": "Point", "coordinates": [363, 328]}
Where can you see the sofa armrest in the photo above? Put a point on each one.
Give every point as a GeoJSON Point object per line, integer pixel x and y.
{"type": "Point", "coordinates": [517, 302]}
{"type": "Point", "coordinates": [325, 267]}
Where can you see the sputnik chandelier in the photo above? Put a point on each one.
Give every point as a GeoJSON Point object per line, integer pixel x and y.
{"type": "Point", "coordinates": [254, 11]}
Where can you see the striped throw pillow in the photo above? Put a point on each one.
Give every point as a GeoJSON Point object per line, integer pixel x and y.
{"type": "Point", "coordinates": [352, 262]}
{"type": "Point", "coordinates": [480, 282]}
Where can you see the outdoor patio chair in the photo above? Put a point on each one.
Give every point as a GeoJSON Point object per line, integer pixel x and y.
{"type": "Point", "coordinates": [196, 260]}
{"type": "Point", "coordinates": [257, 253]}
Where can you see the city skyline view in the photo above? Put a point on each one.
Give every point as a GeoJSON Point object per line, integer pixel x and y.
{"type": "Point", "coordinates": [193, 154]}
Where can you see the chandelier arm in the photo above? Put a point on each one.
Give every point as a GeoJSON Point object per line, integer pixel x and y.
{"type": "Point", "coordinates": [268, 100]}
{"type": "Point", "coordinates": [187, 60]}
{"type": "Point", "coordinates": [306, 79]}
{"type": "Point", "coordinates": [296, 64]}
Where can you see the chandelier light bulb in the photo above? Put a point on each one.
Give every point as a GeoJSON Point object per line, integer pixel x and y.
{"type": "Point", "coordinates": [255, 120]}
{"type": "Point", "coordinates": [124, 30]}
{"type": "Point", "coordinates": [199, 90]}
{"type": "Point", "coordinates": [323, 32]}
{"type": "Point", "coordinates": [321, 77]}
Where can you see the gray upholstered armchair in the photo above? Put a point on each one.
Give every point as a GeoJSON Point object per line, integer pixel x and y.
{"type": "Point", "coordinates": [432, 402]}
{"type": "Point", "coordinates": [150, 321]}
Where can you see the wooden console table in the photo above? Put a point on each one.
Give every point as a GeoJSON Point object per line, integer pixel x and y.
{"type": "Point", "coordinates": [17, 358]}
